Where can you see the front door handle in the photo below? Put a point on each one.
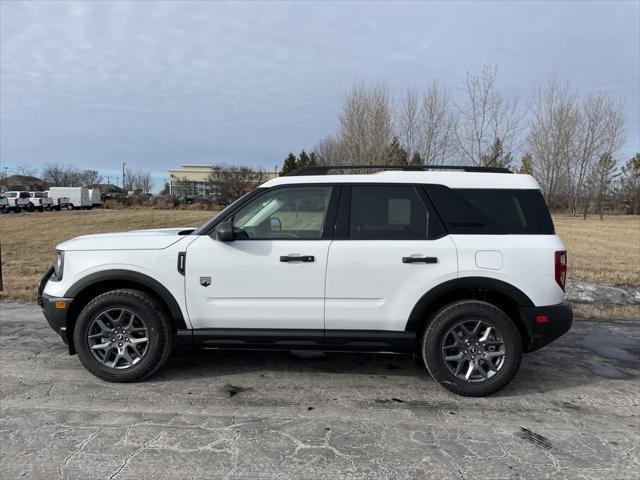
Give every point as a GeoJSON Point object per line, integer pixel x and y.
{"type": "Point", "coordinates": [419, 259]}
{"type": "Point", "coordinates": [297, 258]}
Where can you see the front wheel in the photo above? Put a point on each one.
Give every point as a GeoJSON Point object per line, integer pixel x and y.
{"type": "Point", "coordinates": [472, 348]}
{"type": "Point", "coordinates": [123, 336]}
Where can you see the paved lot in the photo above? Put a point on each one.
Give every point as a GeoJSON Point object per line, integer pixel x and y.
{"type": "Point", "coordinates": [572, 411]}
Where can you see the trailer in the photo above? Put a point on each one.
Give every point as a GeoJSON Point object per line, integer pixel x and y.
{"type": "Point", "coordinates": [78, 196]}
{"type": "Point", "coordinates": [94, 195]}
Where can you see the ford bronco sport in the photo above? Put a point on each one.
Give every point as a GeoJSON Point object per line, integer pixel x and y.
{"type": "Point", "coordinates": [458, 264]}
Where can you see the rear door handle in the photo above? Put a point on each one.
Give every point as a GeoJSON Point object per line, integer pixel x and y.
{"type": "Point", "coordinates": [297, 258]}
{"type": "Point", "coordinates": [419, 259]}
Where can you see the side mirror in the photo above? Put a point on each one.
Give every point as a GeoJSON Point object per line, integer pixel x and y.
{"type": "Point", "coordinates": [275, 224]}
{"type": "Point", "coordinates": [224, 231]}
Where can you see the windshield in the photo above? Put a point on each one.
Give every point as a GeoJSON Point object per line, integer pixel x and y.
{"type": "Point", "coordinates": [202, 228]}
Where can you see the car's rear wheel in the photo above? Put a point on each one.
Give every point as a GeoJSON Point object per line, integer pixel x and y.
{"type": "Point", "coordinates": [123, 336]}
{"type": "Point", "coordinates": [472, 348]}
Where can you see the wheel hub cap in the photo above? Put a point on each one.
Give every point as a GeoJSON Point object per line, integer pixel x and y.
{"type": "Point", "coordinates": [473, 350]}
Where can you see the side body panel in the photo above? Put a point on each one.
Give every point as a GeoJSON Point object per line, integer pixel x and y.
{"type": "Point", "coordinates": [524, 261]}
{"type": "Point", "coordinates": [369, 287]}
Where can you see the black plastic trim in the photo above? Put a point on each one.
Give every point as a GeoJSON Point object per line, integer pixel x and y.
{"type": "Point", "coordinates": [301, 339]}
{"type": "Point", "coordinates": [465, 283]}
{"type": "Point", "coordinates": [119, 274]}
{"type": "Point", "coordinates": [559, 320]}
{"type": "Point", "coordinates": [325, 169]}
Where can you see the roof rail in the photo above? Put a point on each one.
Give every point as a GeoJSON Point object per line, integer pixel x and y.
{"type": "Point", "coordinates": [325, 169]}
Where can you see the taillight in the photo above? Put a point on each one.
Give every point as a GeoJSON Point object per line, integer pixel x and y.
{"type": "Point", "coordinates": [561, 268]}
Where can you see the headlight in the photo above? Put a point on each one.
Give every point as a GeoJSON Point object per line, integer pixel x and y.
{"type": "Point", "coordinates": [59, 265]}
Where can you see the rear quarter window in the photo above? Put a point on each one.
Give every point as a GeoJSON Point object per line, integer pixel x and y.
{"type": "Point", "coordinates": [491, 211]}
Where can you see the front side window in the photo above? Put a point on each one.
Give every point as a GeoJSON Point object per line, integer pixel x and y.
{"type": "Point", "coordinates": [287, 213]}
{"type": "Point", "coordinates": [387, 212]}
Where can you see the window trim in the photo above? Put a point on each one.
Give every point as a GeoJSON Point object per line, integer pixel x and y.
{"type": "Point", "coordinates": [343, 220]}
{"type": "Point", "coordinates": [327, 226]}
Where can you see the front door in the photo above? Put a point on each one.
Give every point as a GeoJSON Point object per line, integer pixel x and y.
{"type": "Point", "coordinates": [268, 281]}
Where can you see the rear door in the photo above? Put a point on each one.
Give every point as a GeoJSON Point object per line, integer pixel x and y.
{"type": "Point", "coordinates": [390, 248]}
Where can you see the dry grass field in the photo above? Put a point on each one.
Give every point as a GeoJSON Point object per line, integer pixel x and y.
{"type": "Point", "coordinates": [606, 251]}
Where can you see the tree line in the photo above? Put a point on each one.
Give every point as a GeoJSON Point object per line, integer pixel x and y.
{"type": "Point", "coordinates": [64, 175]}
{"type": "Point", "coordinates": [571, 144]}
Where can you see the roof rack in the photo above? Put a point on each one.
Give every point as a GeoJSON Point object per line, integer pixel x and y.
{"type": "Point", "coordinates": [325, 169]}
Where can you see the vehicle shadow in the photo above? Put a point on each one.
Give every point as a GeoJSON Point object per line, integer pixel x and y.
{"type": "Point", "coordinates": [565, 364]}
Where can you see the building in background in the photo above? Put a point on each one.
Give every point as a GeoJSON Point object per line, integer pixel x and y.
{"type": "Point", "coordinates": [202, 180]}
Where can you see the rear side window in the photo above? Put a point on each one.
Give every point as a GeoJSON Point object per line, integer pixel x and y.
{"type": "Point", "coordinates": [389, 212]}
{"type": "Point", "coordinates": [491, 211]}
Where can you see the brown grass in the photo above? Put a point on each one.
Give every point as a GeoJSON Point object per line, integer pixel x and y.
{"type": "Point", "coordinates": [602, 251]}
{"type": "Point", "coordinates": [605, 251]}
{"type": "Point", "coordinates": [28, 240]}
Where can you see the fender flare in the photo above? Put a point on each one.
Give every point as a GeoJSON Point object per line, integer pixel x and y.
{"type": "Point", "coordinates": [137, 277]}
{"type": "Point", "coordinates": [464, 283]}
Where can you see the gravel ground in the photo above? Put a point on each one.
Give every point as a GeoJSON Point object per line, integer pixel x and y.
{"type": "Point", "coordinates": [571, 412]}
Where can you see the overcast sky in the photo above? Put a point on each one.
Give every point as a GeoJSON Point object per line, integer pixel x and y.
{"type": "Point", "coordinates": [157, 85]}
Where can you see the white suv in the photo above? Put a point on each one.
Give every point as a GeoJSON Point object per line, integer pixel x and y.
{"type": "Point", "coordinates": [461, 265]}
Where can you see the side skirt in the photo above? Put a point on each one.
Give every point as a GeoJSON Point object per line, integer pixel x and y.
{"type": "Point", "coordinates": [302, 339]}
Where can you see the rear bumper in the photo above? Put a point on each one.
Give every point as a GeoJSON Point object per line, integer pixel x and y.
{"type": "Point", "coordinates": [546, 324]}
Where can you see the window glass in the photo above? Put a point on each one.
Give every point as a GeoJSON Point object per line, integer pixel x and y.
{"type": "Point", "coordinates": [387, 212]}
{"type": "Point", "coordinates": [485, 211]}
{"type": "Point", "coordinates": [288, 213]}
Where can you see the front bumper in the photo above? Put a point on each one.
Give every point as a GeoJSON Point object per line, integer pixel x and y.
{"type": "Point", "coordinates": [546, 324]}
{"type": "Point", "coordinates": [55, 310]}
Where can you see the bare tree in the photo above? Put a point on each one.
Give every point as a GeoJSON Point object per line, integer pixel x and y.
{"type": "Point", "coordinates": [330, 151]}
{"type": "Point", "coordinates": [25, 171]}
{"type": "Point", "coordinates": [552, 135]}
{"type": "Point", "coordinates": [365, 124]}
{"type": "Point", "coordinates": [600, 131]}
{"type": "Point", "coordinates": [233, 181]}
{"type": "Point", "coordinates": [138, 181]}
{"type": "Point", "coordinates": [408, 122]}
{"type": "Point", "coordinates": [437, 127]}
{"type": "Point", "coordinates": [485, 116]}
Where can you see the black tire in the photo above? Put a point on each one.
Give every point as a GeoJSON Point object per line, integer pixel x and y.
{"type": "Point", "coordinates": [159, 333]}
{"type": "Point", "coordinates": [30, 207]}
{"type": "Point", "coordinates": [70, 206]}
{"type": "Point", "coordinates": [468, 313]}
{"type": "Point", "coordinates": [57, 209]}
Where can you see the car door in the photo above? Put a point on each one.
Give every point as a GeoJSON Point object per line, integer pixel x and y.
{"type": "Point", "coordinates": [390, 248]}
{"type": "Point", "coordinates": [268, 281]}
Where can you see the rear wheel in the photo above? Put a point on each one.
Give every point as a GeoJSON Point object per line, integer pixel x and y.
{"type": "Point", "coordinates": [123, 336]}
{"type": "Point", "coordinates": [30, 207]}
{"type": "Point", "coordinates": [472, 348]}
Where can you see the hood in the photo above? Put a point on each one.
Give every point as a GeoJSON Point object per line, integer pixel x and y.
{"type": "Point", "coordinates": [155, 239]}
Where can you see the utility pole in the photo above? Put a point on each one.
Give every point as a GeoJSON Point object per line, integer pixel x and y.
{"type": "Point", "coordinates": [123, 183]}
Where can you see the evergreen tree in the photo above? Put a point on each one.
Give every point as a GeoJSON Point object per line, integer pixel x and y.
{"type": "Point", "coordinates": [396, 154]}
{"type": "Point", "coordinates": [526, 164]}
{"type": "Point", "coordinates": [496, 156]}
{"type": "Point", "coordinates": [304, 160]}
{"type": "Point", "coordinates": [289, 165]}
{"type": "Point", "coordinates": [416, 159]}
{"type": "Point", "coordinates": [313, 159]}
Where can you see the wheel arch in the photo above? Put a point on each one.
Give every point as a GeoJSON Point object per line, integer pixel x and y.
{"type": "Point", "coordinates": [508, 298]}
{"type": "Point", "coordinates": [97, 283]}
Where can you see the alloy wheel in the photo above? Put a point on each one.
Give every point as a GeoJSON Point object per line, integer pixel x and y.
{"type": "Point", "coordinates": [118, 338]}
{"type": "Point", "coordinates": [473, 350]}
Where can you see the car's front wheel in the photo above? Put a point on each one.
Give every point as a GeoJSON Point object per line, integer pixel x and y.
{"type": "Point", "coordinates": [472, 348]}
{"type": "Point", "coordinates": [123, 336]}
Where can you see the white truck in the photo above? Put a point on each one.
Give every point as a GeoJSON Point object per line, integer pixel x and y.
{"type": "Point", "coordinates": [59, 203]}
{"type": "Point", "coordinates": [94, 195]}
{"type": "Point", "coordinates": [18, 201]}
{"type": "Point", "coordinates": [78, 196]}
{"type": "Point", "coordinates": [4, 205]}
{"type": "Point", "coordinates": [40, 201]}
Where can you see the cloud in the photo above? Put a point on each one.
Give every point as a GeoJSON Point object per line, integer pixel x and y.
{"type": "Point", "coordinates": [164, 83]}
